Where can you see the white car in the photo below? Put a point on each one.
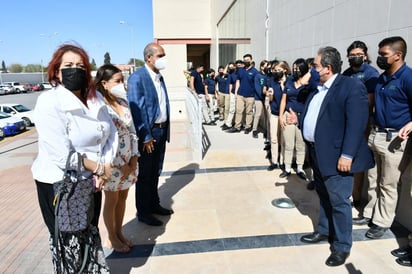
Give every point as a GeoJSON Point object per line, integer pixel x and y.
{"type": "Point", "coordinates": [8, 89]}
{"type": "Point", "coordinates": [46, 85]}
{"type": "Point", "coordinates": [19, 111]}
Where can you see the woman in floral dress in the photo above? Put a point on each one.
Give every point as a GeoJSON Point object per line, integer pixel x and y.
{"type": "Point", "coordinates": [109, 81]}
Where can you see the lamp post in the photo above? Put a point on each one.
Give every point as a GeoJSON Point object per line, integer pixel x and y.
{"type": "Point", "coordinates": [133, 46]}
{"type": "Point", "coordinates": [50, 36]}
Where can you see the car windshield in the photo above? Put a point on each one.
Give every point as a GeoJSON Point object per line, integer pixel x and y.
{"type": "Point", "coordinates": [4, 115]}
{"type": "Point", "coordinates": [20, 108]}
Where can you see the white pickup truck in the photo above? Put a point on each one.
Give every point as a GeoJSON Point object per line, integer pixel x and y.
{"type": "Point", "coordinates": [18, 87]}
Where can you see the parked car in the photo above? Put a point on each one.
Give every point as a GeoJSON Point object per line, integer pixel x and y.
{"type": "Point", "coordinates": [2, 91]}
{"type": "Point", "coordinates": [11, 125]}
{"type": "Point", "coordinates": [2, 134]}
{"type": "Point", "coordinates": [46, 85]}
{"type": "Point", "coordinates": [36, 87]}
{"type": "Point", "coordinates": [20, 111]}
{"type": "Point", "coordinates": [8, 89]}
{"type": "Point", "coordinates": [18, 87]}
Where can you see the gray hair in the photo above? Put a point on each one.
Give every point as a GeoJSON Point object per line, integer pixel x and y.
{"type": "Point", "coordinates": [149, 50]}
{"type": "Point", "coordinates": [329, 56]}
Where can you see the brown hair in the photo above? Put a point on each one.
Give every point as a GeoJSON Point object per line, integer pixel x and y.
{"type": "Point", "coordinates": [105, 73]}
{"type": "Point", "coordinates": [56, 61]}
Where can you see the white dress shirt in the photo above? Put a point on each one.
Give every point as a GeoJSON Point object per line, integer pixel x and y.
{"type": "Point", "coordinates": [63, 122]}
{"type": "Point", "coordinates": [161, 95]}
{"type": "Point", "coordinates": [312, 114]}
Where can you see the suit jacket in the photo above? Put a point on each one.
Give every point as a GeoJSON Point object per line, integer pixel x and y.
{"type": "Point", "coordinates": [341, 125]}
{"type": "Point", "coordinates": [144, 103]}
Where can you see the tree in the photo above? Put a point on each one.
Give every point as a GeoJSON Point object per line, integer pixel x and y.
{"type": "Point", "coordinates": [107, 58]}
{"type": "Point", "coordinates": [93, 64]}
{"type": "Point", "coordinates": [139, 63]}
{"type": "Point", "coordinates": [33, 68]}
{"type": "Point", "coordinates": [3, 67]}
{"type": "Point", "coordinates": [16, 68]}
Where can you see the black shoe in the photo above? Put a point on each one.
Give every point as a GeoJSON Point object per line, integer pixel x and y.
{"type": "Point", "coordinates": [337, 258]}
{"type": "Point", "coordinates": [402, 251]}
{"type": "Point", "coordinates": [272, 167]}
{"type": "Point", "coordinates": [255, 134]}
{"type": "Point", "coordinates": [302, 175]}
{"type": "Point", "coordinates": [310, 185]}
{"type": "Point", "coordinates": [314, 237]}
{"type": "Point", "coordinates": [361, 221]}
{"type": "Point", "coordinates": [376, 232]}
{"type": "Point", "coordinates": [405, 260]}
{"type": "Point", "coordinates": [233, 130]}
{"type": "Point", "coordinates": [248, 130]}
{"type": "Point", "coordinates": [284, 174]}
{"type": "Point", "coordinates": [211, 123]}
{"type": "Point", "coordinates": [224, 127]}
{"type": "Point", "coordinates": [163, 211]}
{"type": "Point", "coordinates": [150, 220]}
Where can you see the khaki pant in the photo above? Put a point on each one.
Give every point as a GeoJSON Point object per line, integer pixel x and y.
{"type": "Point", "coordinates": [259, 114]}
{"type": "Point", "coordinates": [384, 178]}
{"type": "Point", "coordinates": [224, 104]}
{"type": "Point", "coordinates": [293, 140]}
{"type": "Point", "coordinates": [244, 104]}
{"type": "Point", "coordinates": [205, 109]}
{"type": "Point", "coordinates": [275, 139]}
{"type": "Point", "coordinates": [231, 110]}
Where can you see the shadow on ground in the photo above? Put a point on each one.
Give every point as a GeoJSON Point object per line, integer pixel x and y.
{"type": "Point", "coordinates": [144, 236]}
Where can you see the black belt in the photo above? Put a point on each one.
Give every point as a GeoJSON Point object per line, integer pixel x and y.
{"type": "Point", "coordinates": [386, 130]}
{"type": "Point", "coordinates": [310, 144]}
{"type": "Point", "coordinates": [160, 125]}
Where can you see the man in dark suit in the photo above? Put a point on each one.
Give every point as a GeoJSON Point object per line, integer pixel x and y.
{"type": "Point", "coordinates": [333, 125]}
{"type": "Point", "coordinates": [149, 105]}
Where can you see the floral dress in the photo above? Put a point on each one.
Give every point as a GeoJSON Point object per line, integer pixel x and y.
{"type": "Point", "coordinates": [128, 148]}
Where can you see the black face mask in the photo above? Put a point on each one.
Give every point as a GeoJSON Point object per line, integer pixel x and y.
{"type": "Point", "coordinates": [220, 73]}
{"type": "Point", "coordinates": [268, 71]}
{"type": "Point", "coordinates": [355, 61]}
{"type": "Point", "coordinates": [247, 64]}
{"type": "Point", "coordinates": [231, 70]}
{"type": "Point", "coordinates": [277, 75]}
{"type": "Point", "coordinates": [74, 79]}
{"type": "Point", "coordinates": [296, 75]}
{"type": "Point", "coordinates": [382, 62]}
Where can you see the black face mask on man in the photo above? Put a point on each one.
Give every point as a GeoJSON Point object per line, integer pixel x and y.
{"type": "Point", "coordinates": [355, 61]}
{"type": "Point", "coordinates": [74, 78]}
{"type": "Point", "coordinates": [382, 62]}
{"type": "Point", "coordinates": [247, 64]}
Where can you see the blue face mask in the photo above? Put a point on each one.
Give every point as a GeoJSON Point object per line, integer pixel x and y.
{"type": "Point", "coordinates": [314, 76]}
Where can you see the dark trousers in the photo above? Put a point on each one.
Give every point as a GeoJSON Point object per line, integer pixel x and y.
{"type": "Point", "coordinates": [150, 167]}
{"type": "Point", "coordinates": [335, 216]}
{"type": "Point", "coordinates": [45, 194]}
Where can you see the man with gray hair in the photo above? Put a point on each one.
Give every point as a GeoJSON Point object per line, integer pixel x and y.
{"type": "Point", "coordinates": [333, 124]}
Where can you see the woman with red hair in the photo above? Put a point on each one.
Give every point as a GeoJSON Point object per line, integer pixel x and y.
{"type": "Point", "coordinates": [72, 116]}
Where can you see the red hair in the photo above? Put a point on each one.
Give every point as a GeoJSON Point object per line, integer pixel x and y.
{"type": "Point", "coordinates": [55, 62]}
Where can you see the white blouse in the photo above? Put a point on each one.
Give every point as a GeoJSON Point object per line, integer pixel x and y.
{"type": "Point", "coordinates": [62, 122]}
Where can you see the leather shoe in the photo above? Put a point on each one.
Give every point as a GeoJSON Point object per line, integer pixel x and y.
{"type": "Point", "coordinates": [405, 260]}
{"type": "Point", "coordinates": [150, 220]}
{"type": "Point", "coordinates": [337, 258]}
{"type": "Point", "coordinates": [163, 211]}
{"type": "Point", "coordinates": [402, 251]}
{"type": "Point", "coordinates": [314, 237]}
{"type": "Point", "coordinates": [376, 232]}
{"type": "Point", "coordinates": [272, 167]}
{"type": "Point", "coordinates": [302, 175]}
{"type": "Point", "coordinates": [310, 185]}
{"type": "Point", "coordinates": [233, 130]}
{"type": "Point", "coordinates": [361, 221]}
{"type": "Point", "coordinates": [284, 174]}
{"type": "Point", "coordinates": [248, 130]}
{"type": "Point", "coordinates": [224, 127]}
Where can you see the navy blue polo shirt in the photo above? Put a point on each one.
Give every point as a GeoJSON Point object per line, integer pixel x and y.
{"type": "Point", "coordinates": [221, 81]}
{"type": "Point", "coordinates": [231, 80]}
{"type": "Point", "coordinates": [260, 83]}
{"type": "Point", "coordinates": [247, 82]}
{"type": "Point", "coordinates": [294, 96]}
{"type": "Point", "coordinates": [393, 99]}
{"type": "Point", "coordinates": [211, 85]}
{"type": "Point", "coordinates": [198, 82]}
{"type": "Point", "coordinates": [277, 97]}
{"type": "Point", "coordinates": [367, 74]}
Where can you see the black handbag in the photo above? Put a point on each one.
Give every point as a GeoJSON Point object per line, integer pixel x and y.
{"type": "Point", "coordinates": [73, 200]}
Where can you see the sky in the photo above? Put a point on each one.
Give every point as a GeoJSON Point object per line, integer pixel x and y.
{"type": "Point", "coordinates": [31, 30]}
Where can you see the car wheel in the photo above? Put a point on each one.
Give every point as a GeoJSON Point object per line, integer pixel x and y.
{"type": "Point", "coordinates": [1, 134]}
{"type": "Point", "coordinates": [27, 121]}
